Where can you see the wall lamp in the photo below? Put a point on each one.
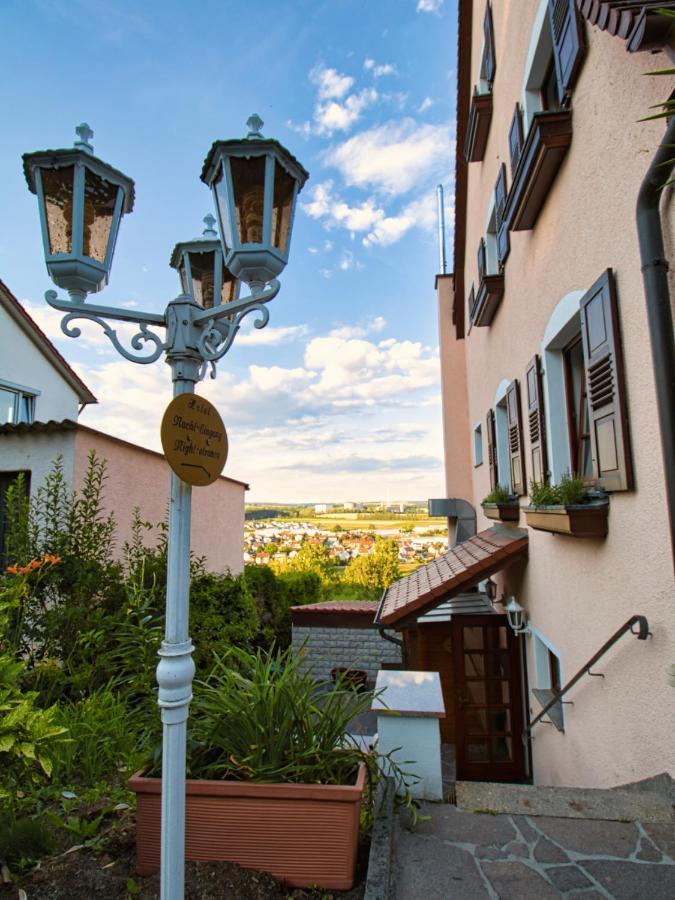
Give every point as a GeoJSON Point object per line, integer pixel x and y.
{"type": "Point", "coordinates": [516, 617]}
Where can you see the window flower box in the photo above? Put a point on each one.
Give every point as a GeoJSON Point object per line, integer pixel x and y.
{"type": "Point", "coordinates": [577, 519]}
{"type": "Point", "coordinates": [478, 127]}
{"type": "Point", "coordinates": [506, 511]}
{"type": "Point", "coordinates": [304, 834]}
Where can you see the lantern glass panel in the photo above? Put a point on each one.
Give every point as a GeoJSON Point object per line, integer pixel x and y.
{"type": "Point", "coordinates": [201, 267]}
{"type": "Point", "coordinates": [248, 180]}
{"type": "Point", "coordinates": [99, 209]}
{"type": "Point", "coordinates": [57, 187]}
{"type": "Point", "coordinates": [284, 187]}
{"type": "Point", "coordinates": [230, 287]}
{"type": "Point", "coordinates": [223, 209]}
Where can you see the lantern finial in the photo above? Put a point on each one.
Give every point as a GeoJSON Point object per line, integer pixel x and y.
{"type": "Point", "coordinates": [210, 221]}
{"type": "Point", "coordinates": [255, 123]}
{"type": "Point", "coordinates": [84, 132]}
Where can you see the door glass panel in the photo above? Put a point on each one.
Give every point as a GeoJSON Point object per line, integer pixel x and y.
{"type": "Point", "coordinates": [478, 751]}
{"type": "Point", "coordinates": [498, 664]}
{"type": "Point", "coordinates": [499, 719]}
{"type": "Point", "coordinates": [502, 749]}
{"type": "Point", "coordinates": [473, 638]}
{"type": "Point", "coordinates": [498, 638]}
{"type": "Point", "coordinates": [476, 721]}
{"type": "Point", "coordinates": [474, 665]}
{"type": "Point", "coordinates": [476, 691]}
{"type": "Point", "coordinates": [498, 692]}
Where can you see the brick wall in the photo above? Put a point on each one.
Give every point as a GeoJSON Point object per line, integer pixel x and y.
{"type": "Point", "coordinates": [358, 648]}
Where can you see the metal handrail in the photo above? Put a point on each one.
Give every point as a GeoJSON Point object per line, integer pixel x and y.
{"type": "Point", "coordinates": [642, 634]}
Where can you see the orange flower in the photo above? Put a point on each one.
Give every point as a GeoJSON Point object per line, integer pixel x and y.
{"type": "Point", "coordinates": [51, 559]}
{"type": "Point", "coordinates": [12, 570]}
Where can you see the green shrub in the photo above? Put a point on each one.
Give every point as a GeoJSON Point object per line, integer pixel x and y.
{"type": "Point", "coordinates": [499, 494]}
{"type": "Point", "coordinates": [569, 491]}
{"type": "Point", "coordinates": [222, 614]}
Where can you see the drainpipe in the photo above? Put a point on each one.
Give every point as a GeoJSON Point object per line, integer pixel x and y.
{"type": "Point", "coordinates": [659, 313]}
{"type": "Point", "coordinates": [390, 637]}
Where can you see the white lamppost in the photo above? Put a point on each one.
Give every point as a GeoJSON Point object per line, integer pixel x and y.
{"type": "Point", "coordinates": [255, 182]}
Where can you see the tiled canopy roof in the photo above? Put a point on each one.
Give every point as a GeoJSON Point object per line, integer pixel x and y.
{"type": "Point", "coordinates": [364, 607]}
{"type": "Point", "coordinates": [460, 568]}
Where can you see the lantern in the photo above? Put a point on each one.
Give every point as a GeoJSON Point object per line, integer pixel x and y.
{"type": "Point", "coordinates": [516, 617]}
{"type": "Point", "coordinates": [81, 200]}
{"type": "Point", "coordinates": [255, 183]}
{"type": "Point", "coordinates": [203, 274]}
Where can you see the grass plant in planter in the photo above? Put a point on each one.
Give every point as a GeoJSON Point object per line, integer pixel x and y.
{"type": "Point", "coordinates": [568, 508]}
{"type": "Point", "coordinates": [501, 504]}
{"type": "Point", "coordinates": [274, 780]}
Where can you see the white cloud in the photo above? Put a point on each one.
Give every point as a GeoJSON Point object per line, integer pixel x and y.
{"type": "Point", "coordinates": [334, 211]}
{"type": "Point", "coordinates": [379, 71]}
{"type": "Point", "coordinates": [426, 104]}
{"type": "Point", "coordinates": [331, 84]}
{"type": "Point", "coordinates": [347, 332]}
{"type": "Point", "coordinates": [394, 157]}
{"type": "Point", "coordinates": [331, 115]}
{"type": "Point", "coordinates": [429, 6]}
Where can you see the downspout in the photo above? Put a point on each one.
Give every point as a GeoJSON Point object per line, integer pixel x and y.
{"type": "Point", "coordinates": [659, 313]}
{"type": "Point", "coordinates": [390, 637]}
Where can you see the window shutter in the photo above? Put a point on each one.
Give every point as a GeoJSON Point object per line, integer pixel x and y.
{"type": "Point", "coordinates": [516, 139]}
{"type": "Point", "coordinates": [608, 419]}
{"type": "Point", "coordinates": [536, 422]}
{"type": "Point", "coordinates": [488, 65]}
{"type": "Point", "coordinates": [471, 302]}
{"type": "Point", "coordinates": [515, 429]}
{"type": "Point", "coordinates": [492, 448]}
{"type": "Point", "coordinates": [568, 43]}
{"type": "Point", "coordinates": [501, 227]}
{"type": "Point", "coordinates": [482, 267]}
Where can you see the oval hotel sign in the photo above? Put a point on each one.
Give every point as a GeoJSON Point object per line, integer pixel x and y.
{"type": "Point", "coordinates": [194, 439]}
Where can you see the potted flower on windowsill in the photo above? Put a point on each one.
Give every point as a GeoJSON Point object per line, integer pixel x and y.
{"type": "Point", "coordinates": [501, 504]}
{"type": "Point", "coordinates": [570, 507]}
{"type": "Point", "coordinates": [275, 782]}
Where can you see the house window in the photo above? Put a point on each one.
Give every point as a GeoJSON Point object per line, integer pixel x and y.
{"type": "Point", "coordinates": [17, 404]}
{"type": "Point", "coordinates": [548, 672]}
{"type": "Point", "coordinates": [585, 400]}
{"type": "Point", "coordinates": [478, 445]}
{"type": "Point", "coordinates": [577, 408]}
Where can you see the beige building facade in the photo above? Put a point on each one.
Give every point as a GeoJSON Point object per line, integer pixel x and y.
{"type": "Point", "coordinates": [546, 360]}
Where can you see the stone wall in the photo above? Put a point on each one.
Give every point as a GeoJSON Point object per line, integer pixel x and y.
{"type": "Point", "coordinates": [358, 648]}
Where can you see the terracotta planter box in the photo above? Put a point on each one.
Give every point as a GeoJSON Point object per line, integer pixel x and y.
{"type": "Point", "coordinates": [502, 512]}
{"type": "Point", "coordinates": [582, 520]}
{"type": "Point", "coordinates": [304, 834]}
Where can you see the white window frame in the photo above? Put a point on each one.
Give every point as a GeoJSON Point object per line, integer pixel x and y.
{"type": "Point", "coordinates": [537, 62]}
{"type": "Point", "coordinates": [490, 231]}
{"type": "Point", "coordinates": [502, 437]}
{"type": "Point", "coordinates": [564, 324]}
{"type": "Point", "coordinates": [478, 444]}
{"type": "Point", "coordinates": [541, 647]}
{"type": "Point", "coordinates": [21, 392]}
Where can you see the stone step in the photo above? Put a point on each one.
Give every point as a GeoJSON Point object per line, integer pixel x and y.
{"type": "Point", "coordinates": [614, 805]}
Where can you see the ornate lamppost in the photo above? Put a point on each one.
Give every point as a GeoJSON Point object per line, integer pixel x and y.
{"type": "Point", "coordinates": [255, 182]}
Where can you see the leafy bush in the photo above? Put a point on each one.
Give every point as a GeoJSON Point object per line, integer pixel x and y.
{"type": "Point", "coordinates": [569, 491]}
{"type": "Point", "coordinates": [274, 594]}
{"type": "Point", "coordinates": [499, 494]}
{"type": "Point", "coordinates": [222, 614]}
{"type": "Point", "coordinates": [376, 570]}
{"type": "Point", "coordinates": [103, 734]}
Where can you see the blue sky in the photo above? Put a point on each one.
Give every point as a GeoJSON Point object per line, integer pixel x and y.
{"type": "Point", "coordinates": [338, 398]}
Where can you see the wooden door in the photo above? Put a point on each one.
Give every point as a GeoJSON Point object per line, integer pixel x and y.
{"type": "Point", "coordinates": [488, 699]}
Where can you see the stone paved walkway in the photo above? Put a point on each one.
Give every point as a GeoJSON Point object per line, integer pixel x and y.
{"type": "Point", "coordinates": [468, 856]}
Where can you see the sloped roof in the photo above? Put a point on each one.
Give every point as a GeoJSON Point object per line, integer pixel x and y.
{"type": "Point", "coordinates": [462, 567]}
{"type": "Point", "coordinates": [16, 311]}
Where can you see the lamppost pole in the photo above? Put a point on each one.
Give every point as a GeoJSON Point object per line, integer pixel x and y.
{"type": "Point", "coordinates": [255, 182]}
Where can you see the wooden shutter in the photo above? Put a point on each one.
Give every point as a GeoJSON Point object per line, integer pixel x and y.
{"type": "Point", "coordinates": [515, 429]}
{"type": "Point", "coordinates": [492, 448]}
{"type": "Point", "coordinates": [501, 227]}
{"type": "Point", "coordinates": [605, 387]}
{"type": "Point", "coordinates": [516, 139]}
{"type": "Point", "coordinates": [488, 64]}
{"type": "Point", "coordinates": [568, 43]}
{"type": "Point", "coordinates": [481, 259]}
{"type": "Point", "coordinates": [535, 420]}
{"type": "Point", "coordinates": [471, 302]}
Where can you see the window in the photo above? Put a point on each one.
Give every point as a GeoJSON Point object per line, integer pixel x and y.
{"type": "Point", "coordinates": [480, 112]}
{"type": "Point", "coordinates": [505, 443]}
{"type": "Point", "coordinates": [586, 416]}
{"type": "Point", "coordinates": [577, 408]}
{"type": "Point", "coordinates": [478, 445]}
{"type": "Point", "coordinates": [17, 404]}
{"type": "Point", "coordinates": [548, 676]}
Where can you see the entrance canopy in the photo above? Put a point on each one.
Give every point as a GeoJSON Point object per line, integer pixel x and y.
{"type": "Point", "coordinates": [462, 567]}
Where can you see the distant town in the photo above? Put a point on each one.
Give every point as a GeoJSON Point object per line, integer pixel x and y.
{"type": "Point", "coordinates": [276, 532]}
